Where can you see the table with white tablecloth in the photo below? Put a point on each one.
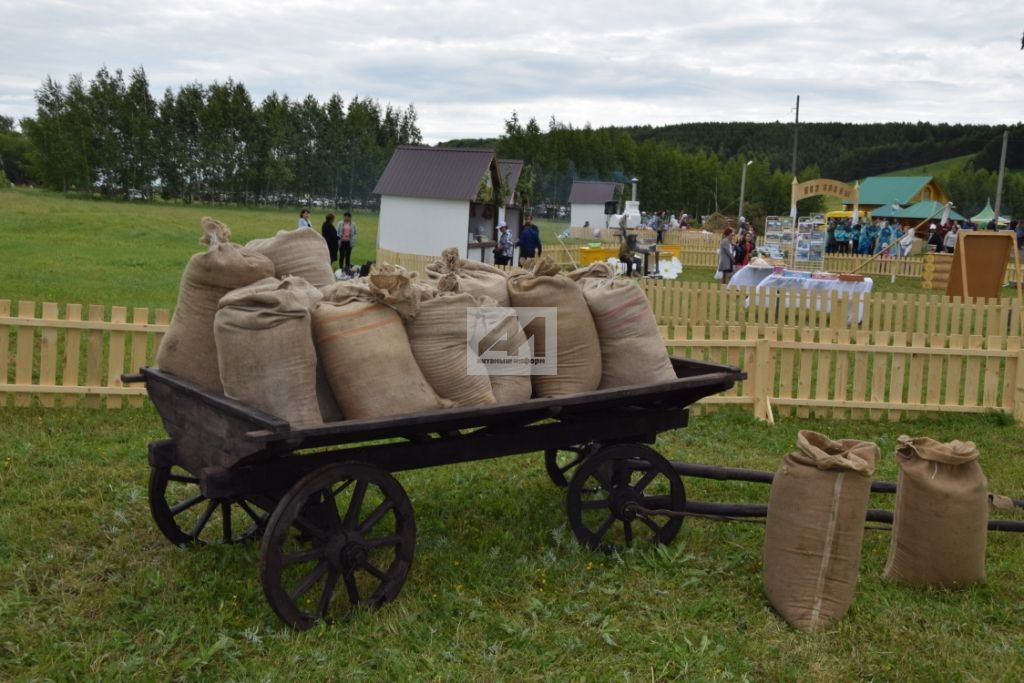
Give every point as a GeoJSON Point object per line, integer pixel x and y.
{"type": "Point", "coordinates": [785, 284]}
{"type": "Point", "coordinates": [750, 275]}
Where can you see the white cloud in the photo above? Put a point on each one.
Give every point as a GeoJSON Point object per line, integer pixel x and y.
{"type": "Point", "coordinates": [466, 64]}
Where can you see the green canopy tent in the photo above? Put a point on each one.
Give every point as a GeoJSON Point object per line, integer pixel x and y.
{"type": "Point", "coordinates": [988, 214]}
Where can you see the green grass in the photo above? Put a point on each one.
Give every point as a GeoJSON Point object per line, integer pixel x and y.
{"type": "Point", "coordinates": [934, 168]}
{"type": "Point", "coordinates": [72, 250]}
{"type": "Point", "coordinates": [499, 589]}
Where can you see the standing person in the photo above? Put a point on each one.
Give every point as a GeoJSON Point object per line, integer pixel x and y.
{"type": "Point", "coordinates": [725, 256]}
{"type": "Point", "coordinates": [330, 235]}
{"type": "Point", "coordinates": [659, 227]}
{"type": "Point", "coordinates": [503, 252]}
{"type": "Point", "coordinates": [907, 242]}
{"type": "Point", "coordinates": [949, 241]}
{"type": "Point", "coordinates": [346, 238]}
{"type": "Point", "coordinates": [744, 248]}
{"type": "Point", "coordinates": [529, 241]}
{"type": "Point", "coordinates": [304, 219]}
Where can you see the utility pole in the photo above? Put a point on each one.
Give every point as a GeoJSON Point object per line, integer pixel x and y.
{"type": "Point", "coordinates": [999, 183]}
{"type": "Point", "coordinates": [796, 133]}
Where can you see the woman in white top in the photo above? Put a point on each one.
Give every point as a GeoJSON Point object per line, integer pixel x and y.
{"type": "Point", "coordinates": [907, 242]}
{"type": "Point", "coordinates": [304, 219]}
{"type": "Point", "coordinates": [950, 241]}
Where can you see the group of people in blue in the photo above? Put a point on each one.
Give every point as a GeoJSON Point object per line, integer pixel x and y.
{"type": "Point", "coordinates": [845, 237]}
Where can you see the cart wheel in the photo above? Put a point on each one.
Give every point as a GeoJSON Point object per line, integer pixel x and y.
{"type": "Point", "coordinates": [610, 485]}
{"type": "Point", "coordinates": [345, 523]}
{"type": "Point", "coordinates": [187, 517]}
{"type": "Point", "coordinates": [560, 463]}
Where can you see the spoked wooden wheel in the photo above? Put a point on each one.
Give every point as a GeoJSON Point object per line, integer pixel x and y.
{"type": "Point", "coordinates": [560, 463]}
{"type": "Point", "coordinates": [186, 517]}
{"type": "Point", "coordinates": [343, 536]}
{"type": "Point", "coordinates": [612, 489]}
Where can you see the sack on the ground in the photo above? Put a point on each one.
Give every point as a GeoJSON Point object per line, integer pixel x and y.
{"type": "Point", "coordinates": [265, 348]}
{"type": "Point", "coordinates": [438, 337]}
{"type": "Point", "coordinates": [815, 527]}
{"type": "Point", "coordinates": [188, 348]}
{"type": "Point", "coordinates": [302, 253]}
{"type": "Point", "coordinates": [500, 331]}
{"type": "Point", "coordinates": [475, 278]}
{"type": "Point", "coordinates": [940, 522]}
{"type": "Point", "coordinates": [578, 351]}
{"type": "Point", "coordinates": [365, 349]}
{"type": "Point", "coordinates": [632, 350]}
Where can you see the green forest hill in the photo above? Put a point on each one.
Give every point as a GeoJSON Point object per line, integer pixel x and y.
{"type": "Point", "coordinates": [696, 168]}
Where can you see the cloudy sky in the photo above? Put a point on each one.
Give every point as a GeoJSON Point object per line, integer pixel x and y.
{"type": "Point", "coordinates": [466, 64]}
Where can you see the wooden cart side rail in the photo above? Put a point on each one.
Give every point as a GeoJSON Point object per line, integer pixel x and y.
{"type": "Point", "coordinates": [676, 395]}
{"type": "Point", "coordinates": [261, 472]}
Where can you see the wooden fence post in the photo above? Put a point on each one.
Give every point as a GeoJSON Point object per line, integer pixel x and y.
{"type": "Point", "coordinates": [762, 372]}
{"type": "Point", "coordinates": [1018, 393]}
{"type": "Point", "coordinates": [25, 353]}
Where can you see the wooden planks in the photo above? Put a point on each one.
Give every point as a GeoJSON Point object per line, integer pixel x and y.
{"type": "Point", "coordinates": [966, 361]}
{"type": "Point", "coordinates": [53, 359]}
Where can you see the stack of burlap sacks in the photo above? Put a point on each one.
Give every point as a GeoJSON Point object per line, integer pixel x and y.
{"type": "Point", "coordinates": [267, 324]}
{"type": "Point", "coordinates": [816, 515]}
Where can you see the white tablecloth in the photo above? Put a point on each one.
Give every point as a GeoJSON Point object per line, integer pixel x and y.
{"type": "Point", "coordinates": [749, 276]}
{"type": "Point", "coordinates": [788, 284]}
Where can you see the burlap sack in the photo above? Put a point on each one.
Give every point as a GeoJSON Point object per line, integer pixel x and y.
{"type": "Point", "coordinates": [366, 353]}
{"type": "Point", "coordinates": [599, 269]}
{"type": "Point", "coordinates": [815, 527]}
{"type": "Point", "coordinates": [940, 522]}
{"type": "Point", "coordinates": [438, 337]}
{"type": "Point", "coordinates": [302, 253]}
{"type": "Point", "coordinates": [632, 350]}
{"type": "Point", "coordinates": [510, 381]}
{"type": "Point", "coordinates": [265, 348]}
{"type": "Point", "coordinates": [188, 348]}
{"type": "Point", "coordinates": [475, 278]}
{"type": "Point", "coordinates": [578, 352]}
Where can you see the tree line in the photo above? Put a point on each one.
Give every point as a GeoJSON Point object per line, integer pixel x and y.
{"type": "Point", "coordinates": [208, 142]}
{"type": "Point", "coordinates": [698, 168]}
{"type": "Point", "coordinates": [213, 143]}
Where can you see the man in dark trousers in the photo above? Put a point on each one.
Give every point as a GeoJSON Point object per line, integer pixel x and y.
{"type": "Point", "coordinates": [529, 241]}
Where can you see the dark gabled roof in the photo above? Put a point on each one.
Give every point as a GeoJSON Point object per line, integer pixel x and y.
{"type": "Point", "coordinates": [592, 191]}
{"type": "Point", "coordinates": [435, 172]}
{"type": "Point", "coordinates": [509, 171]}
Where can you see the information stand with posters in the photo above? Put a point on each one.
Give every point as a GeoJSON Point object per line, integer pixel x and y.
{"type": "Point", "coordinates": [811, 236]}
{"type": "Point", "coordinates": [779, 235]}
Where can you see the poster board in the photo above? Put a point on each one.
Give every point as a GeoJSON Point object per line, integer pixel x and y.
{"type": "Point", "coordinates": [979, 264]}
{"type": "Point", "coordinates": [779, 235]}
{"type": "Point", "coordinates": [811, 237]}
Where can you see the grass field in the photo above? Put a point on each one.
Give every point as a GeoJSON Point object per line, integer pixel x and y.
{"type": "Point", "coordinates": [499, 589]}
{"type": "Point", "coordinates": [935, 168]}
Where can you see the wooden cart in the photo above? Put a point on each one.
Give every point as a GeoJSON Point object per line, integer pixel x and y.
{"type": "Point", "coordinates": [338, 529]}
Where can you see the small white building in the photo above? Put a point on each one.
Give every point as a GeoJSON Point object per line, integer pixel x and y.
{"type": "Point", "coordinates": [587, 201]}
{"type": "Point", "coordinates": [432, 198]}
